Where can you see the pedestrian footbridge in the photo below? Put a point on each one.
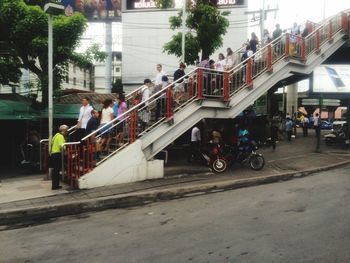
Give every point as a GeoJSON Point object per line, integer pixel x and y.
{"type": "Point", "coordinates": [207, 94]}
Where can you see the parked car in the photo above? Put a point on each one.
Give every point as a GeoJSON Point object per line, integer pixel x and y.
{"type": "Point", "coordinates": [325, 125]}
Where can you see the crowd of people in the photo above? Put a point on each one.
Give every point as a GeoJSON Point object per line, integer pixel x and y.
{"type": "Point", "coordinates": [252, 45]}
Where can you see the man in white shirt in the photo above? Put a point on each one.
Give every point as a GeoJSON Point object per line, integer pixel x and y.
{"type": "Point", "coordinates": [195, 144]}
{"type": "Point", "coordinates": [146, 91]}
{"type": "Point", "coordinates": [84, 117]}
{"type": "Point", "coordinates": [317, 124]}
{"type": "Point", "coordinates": [305, 125]}
{"type": "Point", "coordinates": [160, 73]}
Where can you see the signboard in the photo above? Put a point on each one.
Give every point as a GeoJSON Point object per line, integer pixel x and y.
{"type": "Point", "coordinates": [317, 102]}
{"type": "Point", "coordinates": [332, 79]}
{"type": "Point", "coordinates": [94, 10]}
{"type": "Point", "coordinates": [330, 102]}
{"type": "Point", "coordinates": [310, 102]}
{"type": "Point", "coordinates": [140, 4]}
{"type": "Point", "coordinates": [150, 4]}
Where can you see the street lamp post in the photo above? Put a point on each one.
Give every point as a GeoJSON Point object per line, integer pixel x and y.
{"type": "Point", "coordinates": [183, 31]}
{"type": "Point", "coordinates": [51, 9]}
{"type": "Point", "coordinates": [319, 127]}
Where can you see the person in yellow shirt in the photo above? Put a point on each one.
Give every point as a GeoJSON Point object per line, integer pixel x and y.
{"type": "Point", "coordinates": [55, 154]}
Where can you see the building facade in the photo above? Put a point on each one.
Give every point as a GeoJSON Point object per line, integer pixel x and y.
{"type": "Point", "coordinates": [146, 29]}
{"type": "Point", "coordinates": [99, 72]}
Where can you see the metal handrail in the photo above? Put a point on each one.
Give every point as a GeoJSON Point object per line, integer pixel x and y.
{"type": "Point", "coordinates": [135, 92]}
{"type": "Point", "coordinates": [63, 154]}
{"type": "Point", "coordinates": [138, 105]}
{"type": "Point", "coordinates": [40, 153]}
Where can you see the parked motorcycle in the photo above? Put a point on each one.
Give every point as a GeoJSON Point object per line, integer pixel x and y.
{"type": "Point", "coordinates": [213, 157]}
{"type": "Point", "coordinates": [335, 137]}
{"type": "Point", "coordinates": [30, 158]}
{"type": "Point", "coordinates": [245, 154]}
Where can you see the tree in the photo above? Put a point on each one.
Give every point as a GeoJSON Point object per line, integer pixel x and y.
{"type": "Point", "coordinates": [9, 66]}
{"type": "Point", "coordinates": [206, 26]}
{"type": "Point", "coordinates": [117, 86]}
{"type": "Point", "coordinates": [24, 28]}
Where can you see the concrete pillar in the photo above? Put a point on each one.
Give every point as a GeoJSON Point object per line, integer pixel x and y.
{"type": "Point", "coordinates": [292, 98]}
{"type": "Point", "coordinates": [108, 63]}
{"type": "Point", "coordinates": [348, 121]}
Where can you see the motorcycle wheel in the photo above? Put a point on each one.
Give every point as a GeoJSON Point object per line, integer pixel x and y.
{"type": "Point", "coordinates": [328, 142]}
{"type": "Point", "coordinates": [219, 165]}
{"type": "Point", "coordinates": [257, 162]}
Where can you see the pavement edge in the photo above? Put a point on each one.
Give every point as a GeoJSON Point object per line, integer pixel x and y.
{"type": "Point", "coordinates": [143, 197]}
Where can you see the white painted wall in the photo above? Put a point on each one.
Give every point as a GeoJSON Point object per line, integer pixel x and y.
{"type": "Point", "coordinates": [145, 33]}
{"type": "Point", "coordinates": [81, 76]}
{"type": "Point", "coordinates": [127, 166]}
{"type": "Point", "coordinates": [99, 74]}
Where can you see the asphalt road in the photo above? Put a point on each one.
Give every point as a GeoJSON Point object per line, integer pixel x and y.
{"type": "Point", "coordinates": [303, 220]}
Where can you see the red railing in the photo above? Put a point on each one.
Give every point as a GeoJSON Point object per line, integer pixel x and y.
{"type": "Point", "coordinates": [199, 84]}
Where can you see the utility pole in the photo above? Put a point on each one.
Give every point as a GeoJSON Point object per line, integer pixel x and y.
{"type": "Point", "coordinates": [183, 31]}
{"type": "Point", "coordinates": [108, 63]}
{"type": "Point", "coordinates": [262, 14]}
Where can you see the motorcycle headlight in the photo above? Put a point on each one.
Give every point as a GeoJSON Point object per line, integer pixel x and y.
{"type": "Point", "coordinates": [215, 151]}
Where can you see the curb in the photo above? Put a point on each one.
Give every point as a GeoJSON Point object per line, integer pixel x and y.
{"type": "Point", "coordinates": [8, 217]}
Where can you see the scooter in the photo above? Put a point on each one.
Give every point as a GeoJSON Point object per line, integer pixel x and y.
{"type": "Point", "coordinates": [213, 157]}
{"type": "Point", "coordinates": [30, 155]}
{"type": "Point", "coordinates": [335, 137]}
{"type": "Point", "coordinates": [245, 153]}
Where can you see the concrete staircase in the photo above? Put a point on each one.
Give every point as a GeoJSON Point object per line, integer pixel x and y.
{"type": "Point", "coordinates": [236, 90]}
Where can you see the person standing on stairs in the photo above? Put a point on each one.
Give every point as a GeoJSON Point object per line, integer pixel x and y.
{"type": "Point", "coordinates": [84, 117]}
{"type": "Point", "coordinates": [122, 108]}
{"type": "Point", "coordinates": [146, 93]}
{"type": "Point", "coordinates": [106, 129]}
{"type": "Point", "coordinates": [158, 80]}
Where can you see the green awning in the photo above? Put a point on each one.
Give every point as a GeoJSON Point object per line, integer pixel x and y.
{"type": "Point", "coordinates": [63, 111]}
{"type": "Point", "coordinates": [17, 110]}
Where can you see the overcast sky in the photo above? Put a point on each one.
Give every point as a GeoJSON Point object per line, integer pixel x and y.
{"type": "Point", "coordinates": [298, 10]}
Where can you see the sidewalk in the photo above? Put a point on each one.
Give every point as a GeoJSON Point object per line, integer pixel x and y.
{"type": "Point", "coordinates": [31, 198]}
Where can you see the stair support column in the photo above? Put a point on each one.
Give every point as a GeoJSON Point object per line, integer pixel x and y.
{"type": "Point", "coordinates": [249, 71]}
{"type": "Point", "coordinates": [200, 84]}
{"type": "Point", "coordinates": [269, 58]}
{"type": "Point", "coordinates": [330, 31]}
{"type": "Point", "coordinates": [287, 46]}
{"type": "Point", "coordinates": [318, 50]}
{"type": "Point", "coordinates": [345, 22]}
{"type": "Point", "coordinates": [169, 102]}
{"type": "Point", "coordinates": [226, 87]}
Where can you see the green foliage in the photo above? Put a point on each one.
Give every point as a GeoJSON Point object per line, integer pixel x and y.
{"type": "Point", "coordinates": [92, 54]}
{"type": "Point", "coordinates": [191, 47]}
{"type": "Point", "coordinates": [117, 86]}
{"type": "Point", "coordinates": [24, 29]}
{"type": "Point", "coordinates": [206, 26]}
{"type": "Point", "coordinates": [9, 71]}
{"type": "Point", "coordinates": [164, 3]}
